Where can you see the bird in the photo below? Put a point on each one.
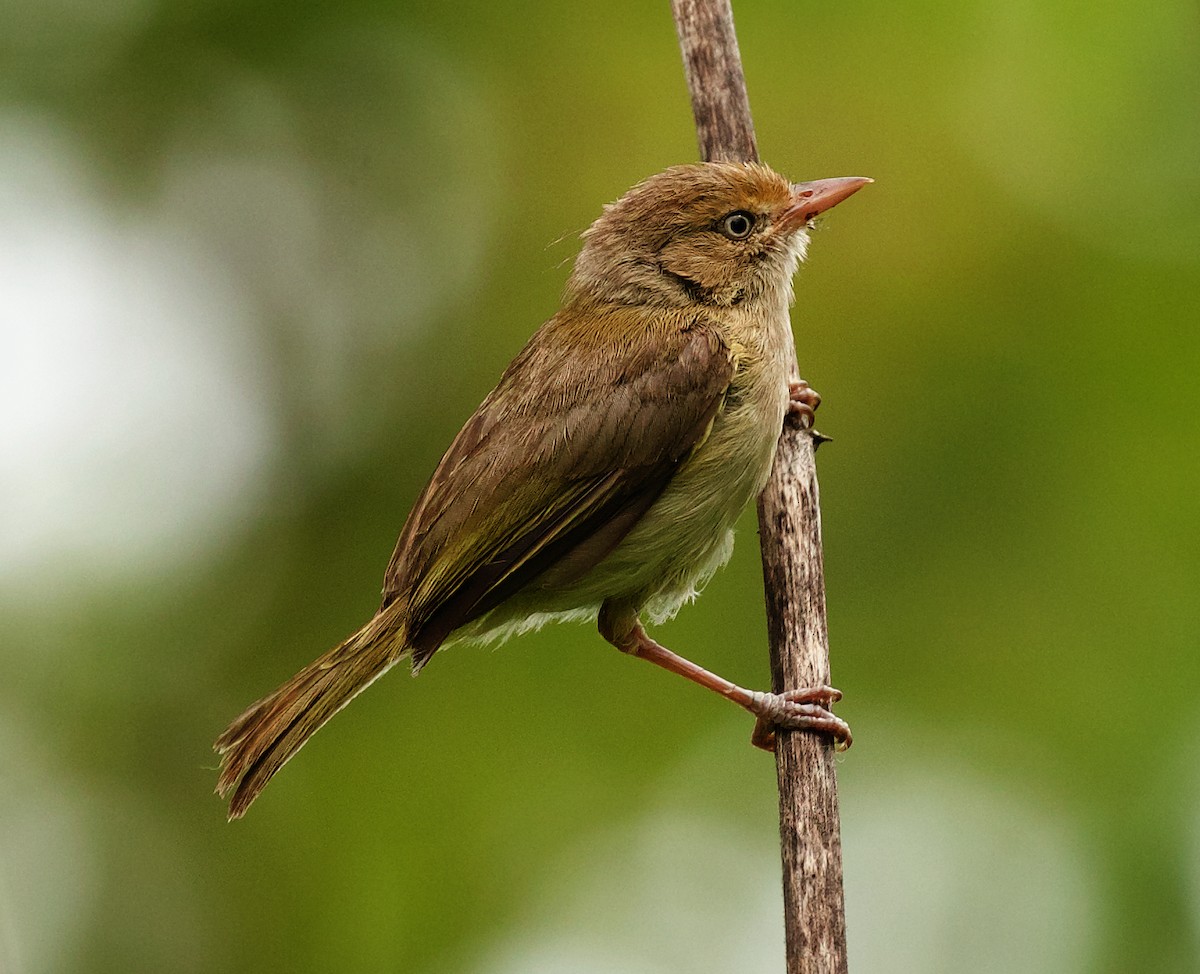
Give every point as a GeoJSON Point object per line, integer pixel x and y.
{"type": "Point", "coordinates": [601, 478]}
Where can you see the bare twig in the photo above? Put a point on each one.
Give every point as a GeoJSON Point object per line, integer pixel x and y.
{"type": "Point", "coordinates": [789, 521]}
{"type": "Point", "coordinates": [715, 80]}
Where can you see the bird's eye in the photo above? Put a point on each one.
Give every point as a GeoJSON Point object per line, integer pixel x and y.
{"type": "Point", "coordinates": [737, 225]}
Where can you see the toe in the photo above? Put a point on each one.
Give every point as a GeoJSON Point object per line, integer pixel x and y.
{"type": "Point", "coordinates": [805, 708]}
{"type": "Point", "coordinates": [800, 392]}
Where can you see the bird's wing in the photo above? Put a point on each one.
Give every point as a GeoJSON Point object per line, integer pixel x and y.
{"type": "Point", "coordinates": [581, 436]}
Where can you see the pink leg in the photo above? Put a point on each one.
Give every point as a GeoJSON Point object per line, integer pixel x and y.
{"type": "Point", "coordinates": [802, 709]}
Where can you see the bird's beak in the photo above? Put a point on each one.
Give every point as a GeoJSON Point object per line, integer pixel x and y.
{"type": "Point", "coordinates": [809, 199]}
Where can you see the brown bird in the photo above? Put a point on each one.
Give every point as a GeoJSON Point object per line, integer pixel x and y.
{"type": "Point", "coordinates": [602, 477]}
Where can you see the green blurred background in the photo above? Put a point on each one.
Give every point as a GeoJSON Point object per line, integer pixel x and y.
{"type": "Point", "coordinates": [258, 262]}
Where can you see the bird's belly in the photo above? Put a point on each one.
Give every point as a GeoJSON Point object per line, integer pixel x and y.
{"type": "Point", "coordinates": [688, 533]}
{"type": "Point", "coordinates": [685, 536]}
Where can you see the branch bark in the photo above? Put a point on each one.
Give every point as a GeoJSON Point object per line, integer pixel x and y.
{"type": "Point", "coordinates": [789, 520]}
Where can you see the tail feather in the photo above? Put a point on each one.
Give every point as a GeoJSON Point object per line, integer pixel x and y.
{"type": "Point", "coordinates": [262, 740]}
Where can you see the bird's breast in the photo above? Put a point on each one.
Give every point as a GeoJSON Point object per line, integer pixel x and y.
{"type": "Point", "coordinates": [687, 533]}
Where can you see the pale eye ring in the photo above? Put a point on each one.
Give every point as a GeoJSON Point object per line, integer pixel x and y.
{"type": "Point", "coordinates": [737, 225]}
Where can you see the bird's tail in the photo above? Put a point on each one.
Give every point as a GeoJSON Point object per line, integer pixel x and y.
{"type": "Point", "coordinates": [261, 740]}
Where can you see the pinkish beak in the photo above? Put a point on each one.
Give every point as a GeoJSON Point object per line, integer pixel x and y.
{"type": "Point", "coordinates": [809, 199]}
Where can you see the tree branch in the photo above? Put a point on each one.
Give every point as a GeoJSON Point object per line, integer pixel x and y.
{"type": "Point", "coordinates": [789, 522]}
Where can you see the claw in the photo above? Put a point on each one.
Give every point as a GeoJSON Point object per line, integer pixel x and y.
{"type": "Point", "coordinates": [803, 709]}
{"type": "Point", "coordinates": [803, 401]}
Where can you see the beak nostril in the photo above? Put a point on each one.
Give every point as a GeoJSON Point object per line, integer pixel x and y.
{"type": "Point", "coordinates": [815, 197]}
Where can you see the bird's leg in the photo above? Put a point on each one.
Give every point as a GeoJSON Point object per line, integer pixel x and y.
{"type": "Point", "coordinates": [802, 709]}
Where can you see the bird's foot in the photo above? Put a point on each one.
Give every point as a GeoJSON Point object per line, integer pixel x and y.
{"type": "Point", "coordinates": [804, 709]}
{"type": "Point", "coordinates": [803, 401]}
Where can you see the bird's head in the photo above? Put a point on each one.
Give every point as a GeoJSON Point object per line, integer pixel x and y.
{"type": "Point", "coordinates": [716, 233]}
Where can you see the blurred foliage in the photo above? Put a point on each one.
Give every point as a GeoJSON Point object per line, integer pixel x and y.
{"type": "Point", "coordinates": [259, 261]}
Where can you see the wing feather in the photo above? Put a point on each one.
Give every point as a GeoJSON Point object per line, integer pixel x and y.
{"type": "Point", "coordinates": [580, 437]}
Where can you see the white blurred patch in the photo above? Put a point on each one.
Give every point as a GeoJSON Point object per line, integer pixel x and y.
{"type": "Point", "coordinates": [667, 894]}
{"type": "Point", "coordinates": [353, 220]}
{"type": "Point", "coordinates": [48, 867]}
{"type": "Point", "coordinates": [133, 423]}
{"type": "Point", "coordinates": [70, 858]}
{"type": "Point", "coordinates": [944, 872]}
